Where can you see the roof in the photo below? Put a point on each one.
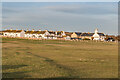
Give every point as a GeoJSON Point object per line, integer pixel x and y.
{"type": "Point", "coordinates": [13, 31]}
{"type": "Point", "coordinates": [87, 34]}
{"type": "Point", "coordinates": [68, 33]}
{"type": "Point", "coordinates": [91, 34]}
{"type": "Point", "coordinates": [78, 33]}
{"type": "Point", "coordinates": [59, 33]}
{"type": "Point", "coordinates": [51, 32]}
{"type": "Point", "coordinates": [101, 34]}
{"type": "Point", "coordinates": [35, 32]}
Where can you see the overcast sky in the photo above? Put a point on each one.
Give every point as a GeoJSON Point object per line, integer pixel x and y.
{"type": "Point", "coordinates": [67, 16]}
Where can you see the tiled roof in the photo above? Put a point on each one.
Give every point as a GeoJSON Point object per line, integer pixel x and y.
{"type": "Point", "coordinates": [78, 33]}
{"type": "Point", "coordinates": [34, 32]}
{"type": "Point", "coordinates": [68, 33]}
{"type": "Point", "coordinates": [91, 34]}
{"type": "Point", "coordinates": [51, 32]}
{"type": "Point", "coordinates": [101, 34]}
{"type": "Point", "coordinates": [87, 34]}
{"type": "Point", "coordinates": [14, 31]}
{"type": "Point", "coordinates": [59, 33]}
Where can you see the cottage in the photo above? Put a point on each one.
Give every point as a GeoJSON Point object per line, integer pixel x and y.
{"type": "Point", "coordinates": [67, 35]}
{"type": "Point", "coordinates": [41, 34]}
{"type": "Point", "coordinates": [76, 35]}
{"type": "Point", "coordinates": [49, 35]}
{"type": "Point", "coordinates": [37, 34]}
{"type": "Point", "coordinates": [53, 34]}
{"type": "Point", "coordinates": [14, 33]}
{"type": "Point", "coordinates": [34, 34]}
{"type": "Point", "coordinates": [86, 35]}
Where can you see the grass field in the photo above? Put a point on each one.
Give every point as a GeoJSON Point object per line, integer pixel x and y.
{"type": "Point", "coordinates": [23, 58]}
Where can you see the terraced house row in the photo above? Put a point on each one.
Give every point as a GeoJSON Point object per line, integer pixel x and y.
{"type": "Point", "coordinates": [53, 34]}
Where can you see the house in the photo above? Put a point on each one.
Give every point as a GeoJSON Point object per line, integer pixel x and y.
{"type": "Point", "coordinates": [50, 35]}
{"type": "Point", "coordinates": [86, 36]}
{"type": "Point", "coordinates": [34, 34]}
{"type": "Point", "coordinates": [53, 35]}
{"type": "Point", "coordinates": [59, 34]}
{"type": "Point", "coordinates": [63, 33]}
{"type": "Point", "coordinates": [76, 35]}
{"type": "Point", "coordinates": [67, 35]}
{"type": "Point", "coordinates": [98, 36]}
{"type": "Point", "coordinates": [14, 33]}
{"type": "Point", "coordinates": [40, 34]}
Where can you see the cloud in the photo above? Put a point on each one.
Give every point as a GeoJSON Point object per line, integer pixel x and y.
{"type": "Point", "coordinates": [63, 16]}
{"type": "Point", "coordinates": [89, 9]}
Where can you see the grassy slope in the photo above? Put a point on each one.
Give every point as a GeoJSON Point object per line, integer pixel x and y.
{"type": "Point", "coordinates": [53, 58]}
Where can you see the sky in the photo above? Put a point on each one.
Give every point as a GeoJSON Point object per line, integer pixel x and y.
{"type": "Point", "coordinates": [63, 16]}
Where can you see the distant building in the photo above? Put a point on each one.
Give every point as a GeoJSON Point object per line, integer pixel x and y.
{"type": "Point", "coordinates": [67, 35]}
{"type": "Point", "coordinates": [76, 35]}
{"type": "Point", "coordinates": [93, 36]}
{"type": "Point", "coordinates": [14, 33]}
{"type": "Point", "coordinates": [87, 35]}
{"type": "Point", "coordinates": [40, 34]}
{"type": "Point", "coordinates": [54, 34]}
{"type": "Point", "coordinates": [34, 34]}
{"type": "Point", "coordinates": [98, 36]}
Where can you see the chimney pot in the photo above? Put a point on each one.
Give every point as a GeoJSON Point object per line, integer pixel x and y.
{"type": "Point", "coordinates": [11, 29]}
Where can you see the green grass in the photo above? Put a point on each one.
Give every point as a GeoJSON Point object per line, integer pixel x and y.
{"type": "Point", "coordinates": [22, 58]}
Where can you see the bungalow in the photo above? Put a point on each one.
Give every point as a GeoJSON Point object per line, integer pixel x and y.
{"type": "Point", "coordinates": [86, 36]}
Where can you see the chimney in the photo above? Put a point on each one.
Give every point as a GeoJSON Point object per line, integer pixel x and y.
{"type": "Point", "coordinates": [33, 30]}
{"type": "Point", "coordinates": [11, 29]}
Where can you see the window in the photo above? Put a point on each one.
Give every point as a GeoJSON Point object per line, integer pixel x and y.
{"type": "Point", "coordinates": [16, 35]}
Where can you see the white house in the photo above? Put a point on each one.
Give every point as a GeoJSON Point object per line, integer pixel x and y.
{"type": "Point", "coordinates": [34, 34]}
{"type": "Point", "coordinates": [40, 34]}
{"type": "Point", "coordinates": [14, 33]}
{"type": "Point", "coordinates": [98, 36]}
